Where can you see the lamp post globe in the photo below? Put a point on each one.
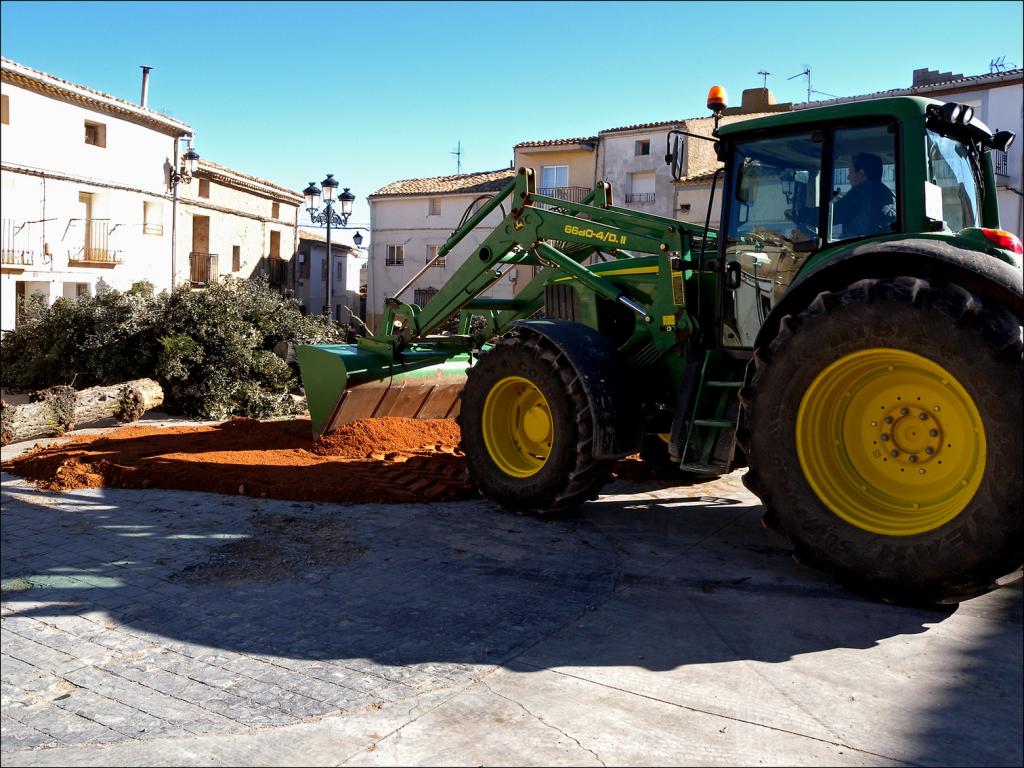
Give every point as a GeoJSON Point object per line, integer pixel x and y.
{"type": "Point", "coordinates": [330, 186]}
{"type": "Point", "coordinates": [357, 238]}
{"type": "Point", "coordinates": [312, 195]}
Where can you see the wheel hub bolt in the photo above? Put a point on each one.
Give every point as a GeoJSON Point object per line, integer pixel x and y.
{"type": "Point", "coordinates": [929, 450]}
{"type": "Point", "coordinates": [888, 419]}
{"type": "Point", "coordinates": [894, 454]}
{"type": "Point", "coordinates": [913, 458]}
{"type": "Point", "coordinates": [933, 433]}
{"type": "Point", "coordinates": [885, 435]}
{"type": "Point", "coordinates": [904, 411]}
{"type": "Point", "coordinates": [923, 417]}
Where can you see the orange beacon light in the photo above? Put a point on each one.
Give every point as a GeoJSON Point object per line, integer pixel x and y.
{"type": "Point", "coordinates": [717, 98]}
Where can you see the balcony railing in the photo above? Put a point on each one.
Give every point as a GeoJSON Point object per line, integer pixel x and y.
{"type": "Point", "coordinates": [572, 194]}
{"type": "Point", "coordinates": [202, 268]}
{"type": "Point", "coordinates": [96, 248]}
{"type": "Point", "coordinates": [11, 255]}
{"type": "Point", "coordinates": [639, 197]}
{"type": "Point", "coordinates": [1001, 163]}
{"type": "Point", "coordinates": [276, 270]}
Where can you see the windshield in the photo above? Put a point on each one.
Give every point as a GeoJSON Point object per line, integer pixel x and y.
{"type": "Point", "coordinates": [952, 169]}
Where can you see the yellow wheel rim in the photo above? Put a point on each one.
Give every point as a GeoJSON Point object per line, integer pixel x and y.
{"type": "Point", "coordinates": [517, 427]}
{"type": "Point", "coordinates": [890, 442]}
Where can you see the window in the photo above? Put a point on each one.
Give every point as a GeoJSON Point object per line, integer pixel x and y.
{"type": "Point", "coordinates": [5, 110]}
{"type": "Point", "coordinates": [435, 206]}
{"type": "Point", "coordinates": [862, 199]}
{"type": "Point", "coordinates": [643, 147]}
{"type": "Point", "coordinates": [236, 258]}
{"type": "Point", "coordinates": [773, 207]}
{"type": "Point", "coordinates": [275, 211]}
{"type": "Point", "coordinates": [641, 188]}
{"type": "Point", "coordinates": [152, 217]}
{"type": "Point", "coordinates": [422, 295]}
{"type": "Point", "coordinates": [396, 256]}
{"type": "Point", "coordinates": [204, 187]}
{"type": "Point", "coordinates": [950, 174]}
{"type": "Point", "coordinates": [95, 134]}
{"type": "Point", "coordinates": [552, 177]}
{"type": "Point", "coordinates": [431, 253]}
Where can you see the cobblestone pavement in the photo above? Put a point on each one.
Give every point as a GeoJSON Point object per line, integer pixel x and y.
{"type": "Point", "coordinates": [131, 616]}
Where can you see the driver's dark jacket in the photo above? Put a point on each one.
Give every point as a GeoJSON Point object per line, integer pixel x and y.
{"type": "Point", "coordinates": [867, 209]}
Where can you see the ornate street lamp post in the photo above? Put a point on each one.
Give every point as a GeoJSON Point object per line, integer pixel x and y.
{"type": "Point", "coordinates": [329, 218]}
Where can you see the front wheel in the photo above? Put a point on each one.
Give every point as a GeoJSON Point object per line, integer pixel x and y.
{"type": "Point", "coordinates": [883, 431]}
{"type": "Point", "coordinates": [527, 428]}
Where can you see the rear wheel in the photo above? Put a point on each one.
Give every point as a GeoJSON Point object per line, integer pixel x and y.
{"type": "Point", "coordinates": [527, 428]}
{"type": "Point", "coordinates": [883, 430]}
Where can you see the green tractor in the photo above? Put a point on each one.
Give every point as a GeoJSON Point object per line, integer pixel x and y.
{"type": "Point", "coordinates": [852, 333]}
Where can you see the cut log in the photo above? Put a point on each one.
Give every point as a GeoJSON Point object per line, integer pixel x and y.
{"type": "Point", "coordinates": [59, 409]}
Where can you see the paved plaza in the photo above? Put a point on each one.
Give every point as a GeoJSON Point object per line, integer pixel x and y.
{"type": "Point", "coordinates": [659, 626]}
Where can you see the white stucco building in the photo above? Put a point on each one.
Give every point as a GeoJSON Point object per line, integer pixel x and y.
{"type": "Point", "coordinates": [411, 219]}
{"type": "Point", "coordinates": [998, 101]}
{"type": "Point", "coordinates": [85, 200]}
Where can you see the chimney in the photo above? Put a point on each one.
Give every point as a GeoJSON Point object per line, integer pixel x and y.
{"type": "Point", "coordinates": [757, 100]}
{"type": "Point", "coordinates": [927, 76]}
{"type": "Point", "coordinates": [145, 85]}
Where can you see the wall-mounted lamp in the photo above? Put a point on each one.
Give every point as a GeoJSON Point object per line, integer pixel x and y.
{"type": "Point", "coordinates": [188, 169]}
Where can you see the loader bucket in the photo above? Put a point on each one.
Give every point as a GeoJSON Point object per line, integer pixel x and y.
{"type": "Point", "coordinates": [344, 383]}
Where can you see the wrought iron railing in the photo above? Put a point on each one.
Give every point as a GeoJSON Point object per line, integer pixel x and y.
{"type": "Point", "coordinates": [571, 194]}
{"type": "Point", "coordinates": [96, 248]}
{"type": "Point", "coordinates": [1001, 163]}
{"type": "Point", "coordinates": [202, 268]}
{"type": "Point", "coordinates": [640, 197]}
{"type": "Point", "coordinates": [277, 271]}
{"type": "Point", "coordinates": [11, 254]}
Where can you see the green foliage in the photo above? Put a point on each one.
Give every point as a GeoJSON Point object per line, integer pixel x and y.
{"type": "Point", "coordinates": [210, 350]}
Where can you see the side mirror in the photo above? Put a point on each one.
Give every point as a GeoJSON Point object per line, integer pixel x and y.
{"type": "Point", "coordinates": [1002, 140]}
{"type": "Point", "coordinates": [674, 157]}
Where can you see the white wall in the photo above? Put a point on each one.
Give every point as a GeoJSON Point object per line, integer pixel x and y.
{"type": "Point", "coordinates": [619, 161]}
{"type": "Point", "coordinates": [47, 135]}
{"type": "Point", "coordinates": [406, 221]}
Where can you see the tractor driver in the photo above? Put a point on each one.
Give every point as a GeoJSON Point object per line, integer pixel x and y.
{"type": "Point", "coordinates": [870, 206]}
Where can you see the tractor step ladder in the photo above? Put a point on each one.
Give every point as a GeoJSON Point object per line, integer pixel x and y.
{"type": "Point", "coordinates": [712, 413]}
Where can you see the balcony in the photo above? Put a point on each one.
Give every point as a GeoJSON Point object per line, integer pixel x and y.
{"type": "Point", "coordinates": [639, 197]}
{"type": "Point", "coordinates": [276, 271]}
{"type": "Point", "coordinates": [570, 194]}
{"type": "Point", "coordinates": [202, 268]}
{"type": "Point", "coordinates": [12, 257]}
{"type": "Point", "coordinates": [96, 250]}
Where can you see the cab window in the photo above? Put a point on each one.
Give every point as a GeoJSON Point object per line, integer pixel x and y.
{"type": "Point", "coordinates": [863, 200]}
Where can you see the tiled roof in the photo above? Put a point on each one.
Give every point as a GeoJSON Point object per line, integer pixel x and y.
{"type": "Point", "coordinates": [638, 126]}
{"type": "Point", "coordinates": [44, 82]}
{"type": "Point", "coordinates": [554, 142]}
{"type": "Point", "coordinates": [915, 90]}
{"type": "Point", "coordinates": [465, 183]}
{"type": "Point", "coordinates": [697, 178]}
{"type": "Point", "coordinates": [231, 175]}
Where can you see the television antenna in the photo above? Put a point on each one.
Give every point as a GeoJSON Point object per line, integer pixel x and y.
{"type": "Point", "coordinates": [807, 73]}
{"type": "Point", "coordinates": [764, 74]}
{"type": "Point", "coordinates": [458, 158]}
{"type": "Point", "coordinates": [1000, 65]}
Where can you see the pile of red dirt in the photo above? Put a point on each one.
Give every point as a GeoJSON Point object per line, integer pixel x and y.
{"type": "Point", "coordinates": [383, 461]}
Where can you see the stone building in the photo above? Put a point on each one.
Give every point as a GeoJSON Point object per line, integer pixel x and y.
{"type": "Point", "coordinates": [411, 219]}
{"type": "Point", "coordinates": [96, 195]}
{"type": "Point", "coordinates": [86, 200]}
{"type": "Point", "coordinates": [231, 223]}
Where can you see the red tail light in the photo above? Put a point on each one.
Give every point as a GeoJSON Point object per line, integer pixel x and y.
{"type": "Point", "coordinates": [1004, 239]}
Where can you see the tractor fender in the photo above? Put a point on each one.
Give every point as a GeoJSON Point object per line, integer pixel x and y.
{"type": "Point", "coordinates": [618, 428]}
{"type": "Point", "coordinates": [992, 280]}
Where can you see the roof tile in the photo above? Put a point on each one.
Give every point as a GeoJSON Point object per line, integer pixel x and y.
{"type": "Point", "coordinates": [464, 183]}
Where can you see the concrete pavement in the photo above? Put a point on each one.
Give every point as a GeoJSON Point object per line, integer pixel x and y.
{"type": "Point", "coordinates": [659, 627]}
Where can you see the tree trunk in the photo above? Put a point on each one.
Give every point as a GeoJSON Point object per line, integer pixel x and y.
{"type": "Point", "coordinates": [59, 409]}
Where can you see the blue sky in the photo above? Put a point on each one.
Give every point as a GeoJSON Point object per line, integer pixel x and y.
{"type": "Point", "coordinates": [375, 92]}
